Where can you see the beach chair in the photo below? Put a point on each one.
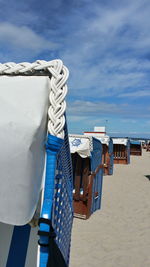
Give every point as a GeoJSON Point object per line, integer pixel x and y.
{"type": "Point", "coordinates": [148, 146]}
{"type": "Point", "coordinates": [107, 151]}
{"type": "Point", "coordinates": [144, 145]}
{"type": "Point", "coordinates": [86, 153]}
{"type": "Point", "coordinates": [135, 148]}
{"type": "Point", "coordinates": [36, 171]}
{"type": "Point", "coordinates": [121, 150]}
{"type": "Point", "coordinates": [108, 158]}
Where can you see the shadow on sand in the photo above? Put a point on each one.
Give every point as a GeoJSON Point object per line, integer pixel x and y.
{"type": "Point", "coordinates": [147, 176]}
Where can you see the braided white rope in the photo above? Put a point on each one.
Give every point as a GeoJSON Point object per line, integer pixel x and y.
{"type": "Point", "coordinates": [58, 88]}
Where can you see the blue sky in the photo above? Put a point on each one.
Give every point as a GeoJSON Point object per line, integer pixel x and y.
{"type": "Point", "coordinates": [106, 46]}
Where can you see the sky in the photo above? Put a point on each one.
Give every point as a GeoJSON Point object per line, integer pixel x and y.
{"type": "Point", "coordinates": [106, 47]}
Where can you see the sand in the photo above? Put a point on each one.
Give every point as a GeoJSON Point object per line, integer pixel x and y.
{"type": "Point", "coordinates": [118, 235]}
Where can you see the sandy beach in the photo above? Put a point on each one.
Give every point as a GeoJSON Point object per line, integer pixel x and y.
{"type": "Point", "coordinates": [118, 235]}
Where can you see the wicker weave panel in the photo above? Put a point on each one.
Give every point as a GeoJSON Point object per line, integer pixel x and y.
{"type": "Point", "coordinates": [62, 208]}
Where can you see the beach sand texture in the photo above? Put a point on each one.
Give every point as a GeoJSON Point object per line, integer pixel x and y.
{"type": "Point", "coordinates": [119, 234]}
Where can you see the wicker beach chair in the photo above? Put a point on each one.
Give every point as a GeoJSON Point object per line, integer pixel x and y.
{"type": "Point", "coordinates": [121, 150]}
{"type": "Point", "coordinates": [33, 128]}
{"type": "Point", "coordinates": [135, 148]}
{"type": "Point", "coordinates": [107, 158]}
{"type": "Point", "coordinates": [86, 155]}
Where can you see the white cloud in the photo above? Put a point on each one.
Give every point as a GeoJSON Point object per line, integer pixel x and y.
{"type": "Point", "coordinates": [129, 121]}
{"type": "Point", "coordinates": [147, 122]}
{"type": "Point", "coordinates": [75, 118]}
{"type": "Point", "coordinates": [141, 93]}
{"type": "Point", "coordinates": [90, 108]}
{"type": "Point", "coordinates": [128, 112]}
{"type": "Point", "coordinates": [80, 118]}
{"type": "Point", "coordinates": [23, 39]}
{"type": "Point", "coordinates": [106, 54]}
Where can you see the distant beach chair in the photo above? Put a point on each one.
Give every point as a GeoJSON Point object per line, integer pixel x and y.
{"type": "Point", "coordinates": [135, 148]}
{"type": "Point", "coordinates": [144, 145]}
{"type": "Point", "coordinates": [86, 155]}
{"type": "Point", "coordinates": [121, 148]}
{"type": "Point", "coordinates": [31, 125]}
{"type": "Point", "coordinates": [108, 158]}
{"type": "Point", "coordinates": [148, 147]}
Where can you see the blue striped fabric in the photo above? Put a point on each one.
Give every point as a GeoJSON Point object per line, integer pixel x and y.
{"type": "Point", "coordinates": [19, 246]}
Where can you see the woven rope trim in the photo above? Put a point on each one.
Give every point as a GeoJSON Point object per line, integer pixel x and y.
{"type": "Point", "coordinates": [58, 88]}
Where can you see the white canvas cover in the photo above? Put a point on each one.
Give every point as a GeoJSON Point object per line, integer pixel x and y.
{"type": "Point", "coordinates": [23, 121]}
{"type": "Point", "coordinates": [104, 139]}
{"type": "Point", "coordinates": [120, 141]}
{"type": "Point", "coordinates": [81, 145]}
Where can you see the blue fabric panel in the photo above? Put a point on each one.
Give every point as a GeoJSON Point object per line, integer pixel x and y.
{"type": "Point", "coordinates": [134, 142]}
{"type": "Point", "coordinates": [96, 144]}
{"type": "Point", "coordinates": [128, 151]}
{"type": "Point", "coordinates": [96, 159]}
{"type": "Point", "coordinates": [19, 245]}
{"type": "Point", "coordinates": [111, 156]}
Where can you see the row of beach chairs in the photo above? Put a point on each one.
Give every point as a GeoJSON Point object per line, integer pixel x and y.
{"type": "Point", "coordinates": [93, 156]}
{"type": "Point", "coordinates": [42, 184]}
